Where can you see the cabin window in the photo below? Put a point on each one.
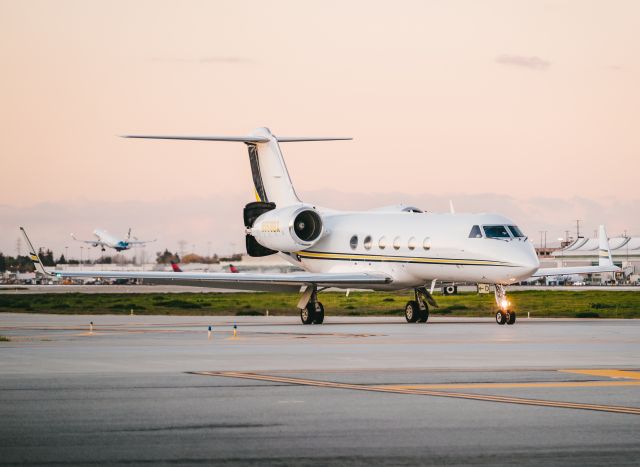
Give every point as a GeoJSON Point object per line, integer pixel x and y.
{"type": "Point", "coordinates": [496, 231]}
{"type": "Point", "coordinates": [382, 243]}
{"type": "Point", "coordinates": [396, 243]}
{"type": "Point", "coordinates": [475, 232]}
{"type": "Point", "coordinates": [353, 242]}
{"type": "Point", "coordinates": [515, 231]}
{"type": "Point", "coordinates": [427, 243]}
{"type": "Point", "coordinates": [367, 242]}
{"type": "Point", "coordinates": [412, 243]}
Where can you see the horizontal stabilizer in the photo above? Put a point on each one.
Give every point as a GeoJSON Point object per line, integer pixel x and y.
{"type": "Point", "coordinates": [242, 139]}
{"type": "Point", "coordinates": [236, 139]}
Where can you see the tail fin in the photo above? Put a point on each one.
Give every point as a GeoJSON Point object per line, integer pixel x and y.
{"type": "Point", "coordinates": [33, 254]}
{"type": "Point", "coordinates": [270, 176]}
{"type": "Point", "coordinates": [604, 253]}
{"type": "Point", "coordinates": [175, 266]}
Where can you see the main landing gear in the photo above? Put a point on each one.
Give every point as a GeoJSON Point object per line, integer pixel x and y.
{"type": "Point", "coordinates": [504, 315]}
{"type": "Point", "coordinates": [311, 310]}
{"type": "Point", "coordinates": [418, 310]}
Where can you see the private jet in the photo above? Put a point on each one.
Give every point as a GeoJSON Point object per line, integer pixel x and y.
{"type": "Point", "coordinates": [105, 240]}
{"type": "Point", "coordinates": [389, 248]}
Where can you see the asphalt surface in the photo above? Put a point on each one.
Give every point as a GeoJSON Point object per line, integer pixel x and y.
{"type": "Point", "coordinates": [157, 390]}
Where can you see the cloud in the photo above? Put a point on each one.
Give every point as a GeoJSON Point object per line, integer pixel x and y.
{"type": "Point", "coordinates": [532, 63]}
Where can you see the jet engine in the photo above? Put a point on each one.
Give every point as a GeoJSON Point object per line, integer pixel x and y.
{"type": "Point", "coordinates": [288, 229]}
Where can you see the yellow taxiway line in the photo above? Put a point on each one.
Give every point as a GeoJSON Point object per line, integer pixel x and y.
{"type": "Point", "coordinates": [425, 392]}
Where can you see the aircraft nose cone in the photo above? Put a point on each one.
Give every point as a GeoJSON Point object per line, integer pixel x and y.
{"type": "Point", "coordinates": [530, 264]}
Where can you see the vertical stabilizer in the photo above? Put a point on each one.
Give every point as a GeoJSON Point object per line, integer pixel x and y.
{"type": "Point", "coordinates": [270, 176]}
{"type": "Point", "coordinates": [604, 253]}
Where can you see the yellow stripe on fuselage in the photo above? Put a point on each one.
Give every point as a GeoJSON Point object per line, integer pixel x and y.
{"type": "Point", "coordinates": [412, 259]}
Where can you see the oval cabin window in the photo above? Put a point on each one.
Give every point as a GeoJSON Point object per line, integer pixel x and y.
{"type": "Point", "coordinates": [382, 243]}
{"type": "Point", "coordinates": [367, 242]}
{"type": "Point", "coordinates": [353, 243]}
{"type": "Point", "coordinates": [426, 244]}
{"type": "Point", "coordinates": [412, 243]}
{"type": "Point", "coordinates": [396, 243]}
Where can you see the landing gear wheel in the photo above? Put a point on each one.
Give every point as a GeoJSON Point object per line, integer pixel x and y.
{"type": "Point", "coordinates": [500, 317]}
{"type": "Point", "coordinates": [319, 313]}
{"type": "Point", "coordinates": [423, 315]}
{"type": "Point", "coordinates": [510, 317]}
{"type": "Point", "coordinates": [307, 314]}
{"type": "Point", "coordinates": [412, 311]}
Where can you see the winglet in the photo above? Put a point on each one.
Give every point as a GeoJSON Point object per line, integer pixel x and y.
{"type": "Point", "coordinates": [33, 255]}
{"type": "Point", "coordinates": [604, 252]}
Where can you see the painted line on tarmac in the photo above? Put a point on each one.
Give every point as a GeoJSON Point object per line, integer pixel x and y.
{"type": "Point", "coordinates": [424, 392]}
{"type": "Point", "coordinates": [544, 384]}
{"type": "Point", "coordinates": [608, 373]}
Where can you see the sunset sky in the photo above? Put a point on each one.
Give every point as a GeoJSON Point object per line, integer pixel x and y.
{"type": "Point", "coordinates": [527, 108]}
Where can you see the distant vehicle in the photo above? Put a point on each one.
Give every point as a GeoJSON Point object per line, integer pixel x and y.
{"type": "Point", "coordinates": [579, 283]}
{"type": "Point", "coordinates": [105, 240]}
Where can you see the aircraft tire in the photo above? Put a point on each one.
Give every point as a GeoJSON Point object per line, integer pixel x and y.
{"type": "Point", "coordinates": [500, 317]}
{"type": "Point", "coordinates": [307, 314]}
{"type": "Point", "coordinates": [319, 313]}
{"type": "Point", "coordinates": [510, 317]}
{"type": "Point", "coordinates": [412, 311]}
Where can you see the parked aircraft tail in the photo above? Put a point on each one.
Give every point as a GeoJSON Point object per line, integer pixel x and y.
{"type": "Point", "coordinates": [604, 253]}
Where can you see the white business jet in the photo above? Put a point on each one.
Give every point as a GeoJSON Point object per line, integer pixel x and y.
{"type": "Point", "coordinates": [105, 240]}
{"type": "Point", "coordinates": [390, 248]}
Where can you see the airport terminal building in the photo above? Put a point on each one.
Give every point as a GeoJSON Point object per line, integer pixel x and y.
{"type": "Point", "coordinates": [625, 252]}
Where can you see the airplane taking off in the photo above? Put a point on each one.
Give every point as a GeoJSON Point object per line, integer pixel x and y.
{"type": "Point", "coordinates": [105, 239]}
{"type": "Point", "coordinates": [390, 248]}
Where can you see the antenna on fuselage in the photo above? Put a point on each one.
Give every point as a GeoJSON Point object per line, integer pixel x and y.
{"type": "Point", "coordinates": [451, 208]}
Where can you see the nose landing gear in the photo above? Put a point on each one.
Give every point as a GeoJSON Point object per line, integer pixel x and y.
{"type": "Point", "coordinates": [504, 315]}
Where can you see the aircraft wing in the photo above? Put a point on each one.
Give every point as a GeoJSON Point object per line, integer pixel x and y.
{"type": "Point", "coordinates": [239, 281]}
{"type": "Point", "coordinates": [575, 270]}
{"type": "Point", "coordinates": [284, 282]}
{"type": "Point", "coordinates": [140, 242]}
{"type": "Point", "coordinates": [95, 242]}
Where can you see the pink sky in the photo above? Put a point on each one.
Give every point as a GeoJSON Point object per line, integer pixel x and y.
{"type": "Point", "coordinates": [445, 99]}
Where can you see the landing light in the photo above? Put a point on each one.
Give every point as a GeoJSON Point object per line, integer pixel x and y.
{"type": "Point", "coordinates": [504, 304]}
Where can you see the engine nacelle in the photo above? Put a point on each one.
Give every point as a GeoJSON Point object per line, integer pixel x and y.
{"type": "Point", "coordinates": [288, 229]}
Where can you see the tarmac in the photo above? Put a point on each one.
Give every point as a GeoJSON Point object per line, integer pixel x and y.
{"type": "Point", "coordinates": [161, 390]}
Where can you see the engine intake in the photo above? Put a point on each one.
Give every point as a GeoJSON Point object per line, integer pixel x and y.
{"type": "Point", "coordinates": [288, 229]}
{"type": "Point", "coordinates": [307, 225]}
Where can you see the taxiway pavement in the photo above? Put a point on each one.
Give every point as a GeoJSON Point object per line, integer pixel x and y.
{"type": "Point", "coordinates": [157, 389]}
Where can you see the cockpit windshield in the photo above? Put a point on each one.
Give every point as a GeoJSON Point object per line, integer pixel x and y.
{"type": "Point", "coordinates": [515, 231]}
{"type": "Point", "coordinates": [496, 231]}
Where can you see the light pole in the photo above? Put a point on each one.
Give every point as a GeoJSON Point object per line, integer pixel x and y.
{"type": "Point", "coordinates": [81, 251]}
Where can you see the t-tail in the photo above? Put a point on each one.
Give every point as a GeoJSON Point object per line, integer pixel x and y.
{"type": "Point", "coordinates": [271, 180]}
